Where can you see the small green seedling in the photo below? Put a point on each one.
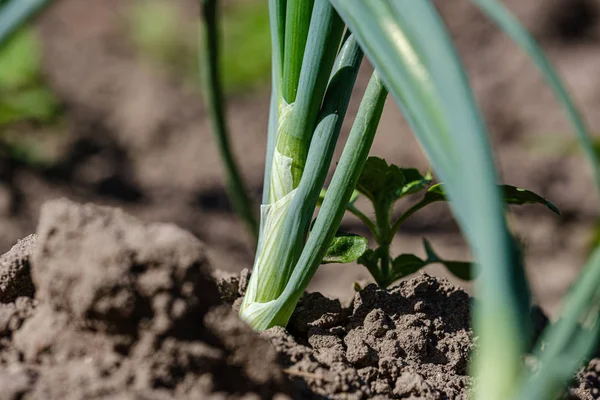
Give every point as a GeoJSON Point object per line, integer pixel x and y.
{"type": "Point", "coordinates": [384, 185]}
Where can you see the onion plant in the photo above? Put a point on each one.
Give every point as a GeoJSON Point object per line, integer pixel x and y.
{"type": "Point", "coordinates": [384, 185]}
{"type": "Point", "coordinates": [317, 46]}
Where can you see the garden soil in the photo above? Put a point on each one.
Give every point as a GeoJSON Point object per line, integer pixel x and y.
{"type": "Point", "coordinates": [118, 309]}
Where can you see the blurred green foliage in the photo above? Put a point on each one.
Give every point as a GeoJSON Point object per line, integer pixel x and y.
{"type": "Point", "coordinates": [162, 34]}
{"type": "Point", "coordinates": [246, 45]}
{"type": "Point", "coordinates": [23, 93]}
{"type": "Point", "coordinates": [594, 240]}
{"type": "Point", "coordinates": [159, 33]}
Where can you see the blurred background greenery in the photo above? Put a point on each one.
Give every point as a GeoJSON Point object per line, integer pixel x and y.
{"type": "Point", "coordinates": [25, 96]}
{"type": "Point", "coordinates": [162, 36]}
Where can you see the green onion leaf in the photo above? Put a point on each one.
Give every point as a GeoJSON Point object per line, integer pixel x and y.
{"type": "Point", "coordinates": [511, 26]}
{"type": "Point", "coordinates": [565, 345]}
{"type": "Point", "coordinates": [409, 46]}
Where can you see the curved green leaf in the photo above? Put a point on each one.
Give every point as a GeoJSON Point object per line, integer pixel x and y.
{"type": "Point", "coordinates": [461, 269]}
{"type": "Point", "coordinates": [406, 264]}
{"type": "Point", "coordinates": [565, 345]}
{"type": "Point", "coordinates": [383, 184]}
{"type": "Point", "coordinates": [515, 195]}
{"type": "Point", "coordinates": [511, 195]}
{"type": "Point", "coordinates": [236, 186]}
{"type": "Point", "coordinates": [511, 26]}
{"type": "Point", "coordinates": [380, 181]}
{"type": "Point", "coordinates": [414, 181]}
{"type": "Point", "coordinates": [434, 193]}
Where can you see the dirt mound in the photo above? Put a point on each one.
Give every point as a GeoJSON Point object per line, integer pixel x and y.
{"type": "Point", "coordinates": [98, 305]}
{"type": "Point", "coordinates": [412, 341]}
{"type": "Point", "coordinates": [124, 310]}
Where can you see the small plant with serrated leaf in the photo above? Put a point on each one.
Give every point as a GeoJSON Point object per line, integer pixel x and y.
{"type": "Point", "coordinates": [384, 185]}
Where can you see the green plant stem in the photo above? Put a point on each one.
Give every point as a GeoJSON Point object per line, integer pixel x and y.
{"type": "Point", "coordinates": [16, 13]}
{"type": "Point", "coordinates": [277, 22]}
{"type": "Point", "coordinates": [322, 44]}
{"type": "Point", "coordinates": [277, 11]}
{"type": "Point", "coordinates": [385, 264]}
{"type": "Point", "coordinates": [408, 213]}
{"type": "Point", "coordinates": [298, 17]}
{"type": "Point", "coordinates": [236, 187]}
{"type": "Point", "coordinates": [365, 220]}
{"type": "Point", "coordinates": [382, 220]}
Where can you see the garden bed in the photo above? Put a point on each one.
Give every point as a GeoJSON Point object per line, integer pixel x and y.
{"type": "Point", "coordinates": [98, 305]}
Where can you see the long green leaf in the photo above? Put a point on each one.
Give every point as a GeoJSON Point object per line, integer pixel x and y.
{"type": "Point", "coordinates": [511, 26]}
{"type": "Point", "coordinates": [410, 47]}
{"type": "Point", "coordinates": [277, 22]}
{"type": "Point", "coordinates": [236, 186]}
{"type": "Point", "coordinates": [277, 10]}
{"type": "Point", "coordinates": [298, 17]}
{"type": "Point", "coordinates": [323, 41]}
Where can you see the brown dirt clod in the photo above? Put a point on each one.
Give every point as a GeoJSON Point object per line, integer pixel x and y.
{"type": "Point", "coordinates": [126, 310]}
{"type": "Point", "coordinates": [412, 341]}
{"type": "Point", "coordinates": [15, 275]}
